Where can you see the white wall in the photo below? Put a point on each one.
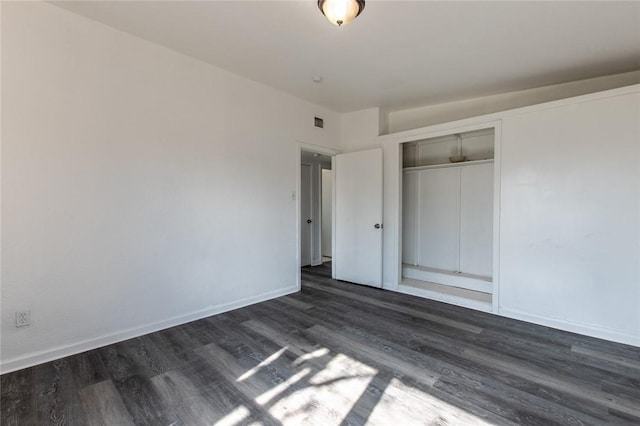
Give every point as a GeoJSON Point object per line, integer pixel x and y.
{"type": "Point", "coordinates": [413, 118]}
{"type": "Point", "coordinates": [359, 130]}
{"type": "Point", "coordinates": [138, 187]}
{"type": "Point", "coordinates": [570, 215]}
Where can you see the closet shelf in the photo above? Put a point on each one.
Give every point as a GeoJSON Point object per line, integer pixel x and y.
{"type": "Point", "coordinates": [448, 165]}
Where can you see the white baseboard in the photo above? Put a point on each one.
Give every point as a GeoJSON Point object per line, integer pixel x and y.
{"type": "Point", "coordinates": [35, 358]}
{"type": "Point", "coordinates": [592, 331]}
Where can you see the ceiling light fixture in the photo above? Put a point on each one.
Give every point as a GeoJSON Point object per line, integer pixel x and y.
{"type": "Point", "coordinates": [340, 12]}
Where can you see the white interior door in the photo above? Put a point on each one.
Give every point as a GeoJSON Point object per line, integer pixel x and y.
{"type": "Point", "coordinates": [358, 210]}
{"type": "Point", "coordinates": [305, 215]}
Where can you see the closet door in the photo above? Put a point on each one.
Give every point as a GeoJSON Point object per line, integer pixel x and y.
{"type": "Point", "coordinates": [476, 220]}
{"type": "Point", "coordinates": [409, 217]}
{"type": "Point", "coordinates": [439, 215]}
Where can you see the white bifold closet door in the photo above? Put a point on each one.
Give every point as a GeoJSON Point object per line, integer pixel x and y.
{"type": "Point", "coordinates": [409, 217]}
{"type": "Point", "coordinates": [448, 219]}
{"type": "Point", "coordinates": [439, 218]}
{"type": "Point", "coordinates": [476, 220]}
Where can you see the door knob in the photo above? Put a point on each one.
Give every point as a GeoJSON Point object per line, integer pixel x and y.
{"type": "Point", "coordinates": [377, 226]}
{"type": "Point", "coordinates": [308, 220]}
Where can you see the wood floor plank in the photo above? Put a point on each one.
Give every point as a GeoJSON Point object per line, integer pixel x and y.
{"type": "Point", "coordinates": [58, 399]}
{"type": "Point", "coordinates": [298, 304]}
{"type": "Point", "coordinates": [615, 359]}
{"type": "Point", "coordinates": [104, 406]}
{"type": "Point", "coordinates": [143, 402]}
{"type": "Point", "coordinates": [582, 390]}
{"type": "Point", "coordinates": [88, 368]}
{"type": "Point", "coordinates": [184, 399]}
{"type": "Point", "coordinates": [374, 356]}
{"type": "Point", "coordinates": [413, 312]}
{"type": "Point", "coordinates": [18, 404]}
{"type": "Point", "coordinates": [295, 344]}
{"type": "Point", "coordinates": [139, 356]}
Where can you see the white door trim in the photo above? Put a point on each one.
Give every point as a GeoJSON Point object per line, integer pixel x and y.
{"type": "Point", "coordinates": [436, 131]}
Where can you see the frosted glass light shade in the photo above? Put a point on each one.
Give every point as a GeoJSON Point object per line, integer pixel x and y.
{"type": "Point", "coordinates": [340, 12]}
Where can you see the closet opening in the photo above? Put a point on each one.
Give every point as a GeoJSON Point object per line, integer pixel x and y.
{"type": "Point", "coordinates": [448, 217]}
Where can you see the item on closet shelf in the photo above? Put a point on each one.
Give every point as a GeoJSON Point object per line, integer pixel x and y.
{"type": "Point", "coordinates": [458, 158]}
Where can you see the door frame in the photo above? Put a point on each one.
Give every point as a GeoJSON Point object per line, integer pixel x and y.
{"type": "Point", "coordinates": [443, 130]}
{"type": "Point", "coordinates": [301, 146]}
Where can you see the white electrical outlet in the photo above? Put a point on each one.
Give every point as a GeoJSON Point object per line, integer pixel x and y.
{"type": "Point", "coordinates": [23, 318]}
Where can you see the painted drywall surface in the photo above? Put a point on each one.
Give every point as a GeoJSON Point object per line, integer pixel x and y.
{"type": "Point", "coordinates": [327, 209]}
{"type": "Point", "coordinates": [570, 214]}
{"type": "Point", "coordinates": [138, 185]}
{"type": "Point", "coordinates": [359, 130]}
{"type": "Point", "coordinates": [441, 113]}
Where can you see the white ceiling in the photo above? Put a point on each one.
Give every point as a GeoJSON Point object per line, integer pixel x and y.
{"type": "Point", "coordinates": [397, 54]}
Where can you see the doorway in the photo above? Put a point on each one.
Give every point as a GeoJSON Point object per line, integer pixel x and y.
{"type": "Point", "coordinates": [316, 208]}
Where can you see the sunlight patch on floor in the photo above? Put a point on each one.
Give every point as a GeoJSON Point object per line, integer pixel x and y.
{"type": "Point", "coordinates": [235, 417]}
{"type": "Point", "coordinates": [262, 364]}
{"type": "Point", "coordinates": [277, 390]}
{"type": "Point", "coordinates": [330, 396]}
{"type": "Point", "coordinates": [315, 354]}
{"type": "Point", "coordinates": [402, 404]}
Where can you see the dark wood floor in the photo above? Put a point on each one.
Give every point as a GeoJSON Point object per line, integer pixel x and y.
{"type": "Point", "coordinates": [337, 353]}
